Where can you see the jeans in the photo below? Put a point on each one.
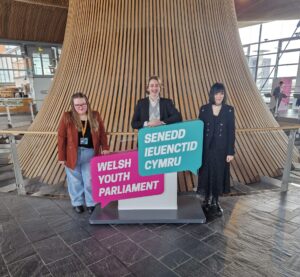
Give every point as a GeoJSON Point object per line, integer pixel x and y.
{"type": "Point", "coordinates": [79, 179]}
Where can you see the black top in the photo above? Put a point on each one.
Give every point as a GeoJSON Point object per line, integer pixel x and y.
{"type": "Point", "coordinates": [168, 112]}
{"type": "Point", "coordinates": [220, 129]}
{"type": "Point", "coordinates": [213, 143]}
{"type": "Point", "coordinates": [86, 140]}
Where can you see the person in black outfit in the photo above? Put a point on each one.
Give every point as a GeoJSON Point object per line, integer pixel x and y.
{"type": "Point", "coordinates": [154, 110]}
{"type": "Point", "coordinates": [218, 148]}
{"type": "Point", "coordinates": [278, 94]}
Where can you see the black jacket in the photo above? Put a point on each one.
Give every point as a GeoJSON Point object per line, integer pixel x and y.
{"type": "Point", "coordinates": [225, 128]}
{"type": "Point", "coordinates": [168, 112]}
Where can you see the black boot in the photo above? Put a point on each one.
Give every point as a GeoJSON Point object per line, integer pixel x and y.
{"type": "Point", "coordinates": [206, 204]}
{"type": "Point", "coordinates": [219, 209]}
{"type": "Point", "coordinates": [215, 204]}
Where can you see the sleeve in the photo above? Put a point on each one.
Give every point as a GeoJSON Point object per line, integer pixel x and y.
{"type": "Point", "coordinates": [136, 122]}
{"type": "Point", "coordinates": [102, 134]}
{"type": "Point", "coordinates": [173, 114]}
{"type": "Point", "coordinates": [201, 113]}
{"type": "Point", "coordinates": [231, 132]}
{"type": "Point", "coordinates": [62, 138]}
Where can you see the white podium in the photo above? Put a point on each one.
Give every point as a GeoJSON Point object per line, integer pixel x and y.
{"type": "Point", "coordinates": [165, 201]}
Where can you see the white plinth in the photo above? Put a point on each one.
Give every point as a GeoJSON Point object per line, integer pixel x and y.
{"type": "Point", "coordinates": [164, 201]}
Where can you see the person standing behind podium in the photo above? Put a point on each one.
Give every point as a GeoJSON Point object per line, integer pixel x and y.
{"type": "Point", "coordinates": [81, 136]}
{"type": "Point", "coordinates": [154, 110]}
{"type": "Point", "coordinates": [218, 148]}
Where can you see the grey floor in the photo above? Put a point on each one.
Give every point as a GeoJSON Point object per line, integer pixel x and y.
{"type": "Point", "coordinates": [259, 235]}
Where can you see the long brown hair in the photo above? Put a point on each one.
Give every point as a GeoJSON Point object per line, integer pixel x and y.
{"type": "Point", "coordinates": [74, 117]}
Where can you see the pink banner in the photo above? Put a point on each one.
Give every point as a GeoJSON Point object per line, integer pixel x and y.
{"type": "Point", "coordinates": [116, 177]}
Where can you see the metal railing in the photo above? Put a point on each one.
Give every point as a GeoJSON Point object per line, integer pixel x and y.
{"type": "Point", "coordinates": [286, 171]}
{"type": "Point", "coordinates": [9, 103]}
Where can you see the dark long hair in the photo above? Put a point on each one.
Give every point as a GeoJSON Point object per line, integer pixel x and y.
{"type": "Point", "coordinates": [216, 88]}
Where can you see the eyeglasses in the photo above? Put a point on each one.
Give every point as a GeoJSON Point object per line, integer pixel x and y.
{"type": "Point", "coordinates": [80, 105]}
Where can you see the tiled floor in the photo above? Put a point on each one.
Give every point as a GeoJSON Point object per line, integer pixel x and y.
{"type": "Point", "coordinates": [259, 235]}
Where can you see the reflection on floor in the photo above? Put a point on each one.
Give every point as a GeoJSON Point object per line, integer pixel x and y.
{"type": "Point", "coordinates": [259, 235]}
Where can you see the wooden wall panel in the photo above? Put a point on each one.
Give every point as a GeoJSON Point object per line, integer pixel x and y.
{"type": "Point", "coordinates": [112, 46]}
{"type": "Point", "coordinates": [33, 20]}
{"type": "Point", "coordinates": [45, 20]}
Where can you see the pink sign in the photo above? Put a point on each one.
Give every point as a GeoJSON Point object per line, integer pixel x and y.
{"type": "Point", "coordinates": [116, 177]}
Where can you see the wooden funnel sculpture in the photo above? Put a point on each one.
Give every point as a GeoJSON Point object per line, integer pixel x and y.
{"type": "Point", "coordinates": [112, 46]}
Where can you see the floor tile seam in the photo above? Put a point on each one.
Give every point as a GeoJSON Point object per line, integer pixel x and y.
{"type": "Point", "coordinates": [217, 233]}
{"type": "Point", "coordinates": [201, 239]}
{"type": "Point", "coordinates": [28, 257]}
{"type": "Point", "coordinates": [61, 208]}
{"type": "Point", "coordinates": [187, 254]}
{"type": "Point", "coordinates": [43, 264]}
{"type": "Point", "coordinates": [107, 250]}
{"type": "Point", "coordinates": [141, 247]}
{"type": "Point", "coordinates": [171, 241]}
{"type": "Point", "coordinates": [297, 230]}
{"type": "Point", "coordinates": [225, 266]}
{"type": "Point", "coordinates": [47, 237]}
{"type": "Point", "coordinates": [191, 258]}
{"type": "Point", "coordinates": [85, 239]}
{"type": "Point", "coordinates": [161, 263]}
{"type": "Point", "coordinates": [18, 260]}
{"type": "Point", "coordinates": [111, 255]}
{"type": "Point", "coordinates": [110, 236]}
{"type": "Point", "coordinates": [31, 203]}
{"type": "Point", "coordinates": [20, 221]}
{"type": "Point", "coordinates": [60, 259]}
{"type": "Point", "coordinates": [6, 265]}
{"type": "Point", "coordinates": [293, 222]}
{"type": "Point", "coordinates": [142, 230]}
{"type": "Point", "coordinates": [34, 247]}
{"type": "Point", "coordinates": [137, 243]}
{"type": "Point", "coordinates": [59, 231]}
{"type": "Point", "coordinates": [124, 233]}
{"type": "Point", "coordinates": [66, 242]}
{"type": "Point", "coordinates": [72, 254]}
{"type": "Point", "coordinates": [107, 247]}
{"type": "Point", "coordinates": [209, 269]}
{"type": "Point", "coordinates": [91, 264]}
{"type": "Point", "coordinates": [147, 252]}
{"type": "Point", "coordinates": [177, 248]}
{"type": "Point", "coordinates": [22, 230]}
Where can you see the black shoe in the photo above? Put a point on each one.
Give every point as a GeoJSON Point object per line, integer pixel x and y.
{"type": "Point", "coordinates": [206, 204]}
{"type": "Point", "coordinates": [219, 209]}
{"type": "Point", "coordinates": [79, 209]}
{"type": "Point", "coordinates": [214, 202]}
{"type": "Point", "coordinates": [90, 209]}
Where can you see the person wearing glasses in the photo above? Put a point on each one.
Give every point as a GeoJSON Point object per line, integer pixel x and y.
{"type": "Point", "coordinates": [154, 110]}
{"type": "Point", "coordinates": [81, 136]}
{"type": "Point", "coordinates": [218, 148]}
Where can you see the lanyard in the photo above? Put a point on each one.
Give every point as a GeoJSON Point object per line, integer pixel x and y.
{"type": "Point", "coordinates": [84, 128]}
